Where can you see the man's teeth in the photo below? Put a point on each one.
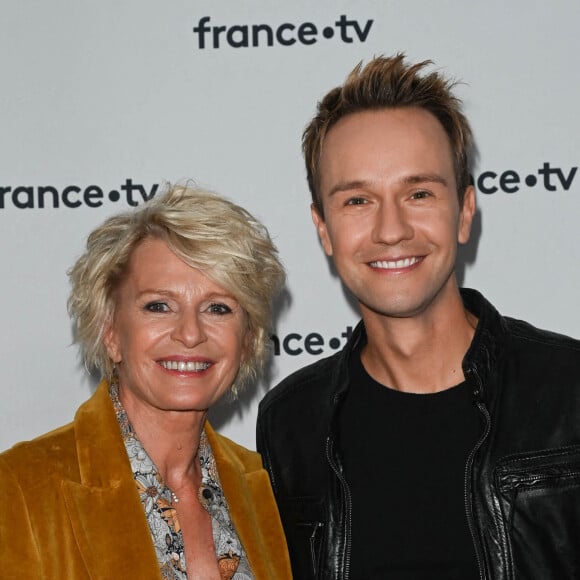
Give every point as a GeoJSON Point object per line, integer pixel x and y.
{"type": "Point", "coordinates": [191, 367]}
{"type": "Point", "coordinates": [393, 264]}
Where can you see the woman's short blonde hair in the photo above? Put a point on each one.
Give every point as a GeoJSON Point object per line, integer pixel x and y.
{"type": "Point", "coordinates": [207, 232]}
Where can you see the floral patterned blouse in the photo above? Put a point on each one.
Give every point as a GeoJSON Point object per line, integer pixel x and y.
{"type": "Point", "coordinates": [162, 516]}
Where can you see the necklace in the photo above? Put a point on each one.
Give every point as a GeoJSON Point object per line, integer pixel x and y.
{"type": "Point", "coordinates": [205, 495]}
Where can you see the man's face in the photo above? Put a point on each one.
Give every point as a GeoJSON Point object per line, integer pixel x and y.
{"type": "Point", "coordinates": [391, 213]}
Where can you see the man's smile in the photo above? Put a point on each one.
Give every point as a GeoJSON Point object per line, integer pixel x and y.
{"type": "Point", "coordinates": [396, 264]}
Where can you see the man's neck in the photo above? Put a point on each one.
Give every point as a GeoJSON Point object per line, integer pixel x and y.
{"type": "Point", "coordinates": [419, 354]}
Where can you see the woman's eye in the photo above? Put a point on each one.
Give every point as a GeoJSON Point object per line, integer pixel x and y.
{"type": "Point", "coordinates": [219, 308]}
{"type": "Point", "coordinates": [157, 307]}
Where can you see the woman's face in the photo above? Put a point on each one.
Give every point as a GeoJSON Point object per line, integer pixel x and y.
{"type": "Point", "coordinates": [178, 338]}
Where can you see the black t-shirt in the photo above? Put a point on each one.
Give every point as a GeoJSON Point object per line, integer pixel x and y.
{"type": "Point", "coordinates": [404, 458]}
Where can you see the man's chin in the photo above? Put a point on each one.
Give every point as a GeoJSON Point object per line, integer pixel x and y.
{"type": "Point", "coordinates": [402, 308]}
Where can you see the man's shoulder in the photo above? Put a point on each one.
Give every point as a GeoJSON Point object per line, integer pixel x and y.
{"type": "Point", "coordinates": [313, 381]}
{"type": "Point", "coordinates": [293, 423]}
{"type": "Point", "coordinates": [517, 339]}
{"type": "Point", "coordinates": [530, 338]}
{"type": "Point", "coordinates": [540, 358]}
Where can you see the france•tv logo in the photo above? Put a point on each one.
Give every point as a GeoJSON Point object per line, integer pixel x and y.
{"type": "Point", "coordinates": [285, 34]}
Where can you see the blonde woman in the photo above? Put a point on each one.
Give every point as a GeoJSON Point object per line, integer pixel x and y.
{"type": "Point", "coordinates": [172, 303]}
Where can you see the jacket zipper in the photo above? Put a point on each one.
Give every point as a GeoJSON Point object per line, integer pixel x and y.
{"type": "Point", "coordinates": [315, 528]}
{"type": "Point", "coordinates": [348, 502]}
{"type": "Point", "coordinates": [468, 469]}
{"type": "Point", "coordinates": [523, 481]}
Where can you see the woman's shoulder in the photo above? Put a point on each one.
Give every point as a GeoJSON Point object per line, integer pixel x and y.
{"type": "Point", "coordinates": [223, 447]}
{"type": "Point", "coordinates": [52, 452]}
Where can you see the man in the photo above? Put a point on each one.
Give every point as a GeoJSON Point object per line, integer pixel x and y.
{"type": "Point", "coordinates": [443, 442]}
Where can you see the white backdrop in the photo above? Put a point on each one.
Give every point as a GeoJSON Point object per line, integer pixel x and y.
{"type": "Point", "coordinates": [99, 98]}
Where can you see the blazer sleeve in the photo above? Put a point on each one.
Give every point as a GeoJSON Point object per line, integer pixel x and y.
{"type": "Point", "coordinates": [19, 551]}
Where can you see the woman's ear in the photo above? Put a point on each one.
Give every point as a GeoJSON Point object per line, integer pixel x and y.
{"type": "Point", "coordinates": [111, 341]}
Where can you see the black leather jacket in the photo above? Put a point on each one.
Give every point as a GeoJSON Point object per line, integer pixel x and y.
{"type": "Point", "coordinates": [522, 479]}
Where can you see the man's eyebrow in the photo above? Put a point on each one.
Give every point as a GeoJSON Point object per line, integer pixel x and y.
{"type": "Point", "coordinates": [424, 178]}
{"type": "Point", "coordinates": [349, 185]}
{"type": "Point", "coordinates": [414, 179]}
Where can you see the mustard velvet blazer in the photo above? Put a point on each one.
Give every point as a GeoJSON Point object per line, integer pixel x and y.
{"type": "Point", "coordinates": [70, 509]}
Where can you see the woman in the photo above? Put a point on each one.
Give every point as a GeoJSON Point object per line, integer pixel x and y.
{"type": "Point", "coordinates": [172, 304]}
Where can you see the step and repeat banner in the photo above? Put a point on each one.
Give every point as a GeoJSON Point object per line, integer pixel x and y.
{"type": "Point", "coordinates": [101, 103]}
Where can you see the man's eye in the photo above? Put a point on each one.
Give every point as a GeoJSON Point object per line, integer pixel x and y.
{"type": "Point", "coordinates": [157, 307]}
{"type": "Point", "coordinates": [219, 308]}
{"type": "Point", "coordinates": [420, 194]}
{"type": "Point", "coordinates": [356, 201]}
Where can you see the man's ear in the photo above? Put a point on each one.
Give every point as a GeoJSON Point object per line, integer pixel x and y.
{"type": "Point", "coordinates": [321, 229]}
{"type": "Point", "coordinates": [466, 214]}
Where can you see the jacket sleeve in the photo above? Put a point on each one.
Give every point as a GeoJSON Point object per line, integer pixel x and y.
{"type": "Point", "coordinates": [19, 551]}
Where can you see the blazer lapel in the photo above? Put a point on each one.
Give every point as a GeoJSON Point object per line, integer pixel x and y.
{"type": "Point", "coordinates": [252, 508]}
{"type": "Point", "coordinates": [109, 534]}
{"type": "Point", "coordinates": [105, 511]}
